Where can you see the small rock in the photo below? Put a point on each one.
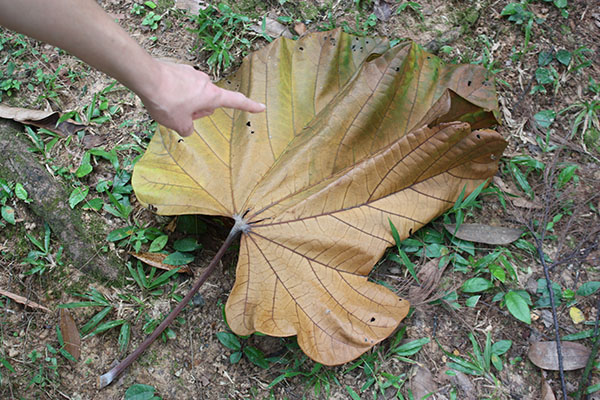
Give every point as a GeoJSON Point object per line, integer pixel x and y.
{"type": "Point", "coordinates": [198, 300]}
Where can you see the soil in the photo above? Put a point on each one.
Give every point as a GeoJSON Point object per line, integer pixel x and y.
{"type": "Point", "coordinates": [194, 364]}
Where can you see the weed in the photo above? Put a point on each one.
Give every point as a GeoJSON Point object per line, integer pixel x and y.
{"type": "Point", "coordinates": [488, 61]}
{"type": "Point", "coordinates": [520, 14]}
{"type": "Point", "coordinates": [372, 365]}
{"type": "Point", "coordinates": [139, 391]}
{"type": "Point", "coordinates": [9, 193]}
{"type": "Point", "coordinates": [519, 167]}
{"type": "Point", "coordinates": [586, 121]}
{"type": "Point", "coordinates": [4, 363]}
{"type": "Point", "coordinates": [412, 6]}
{"type": "Point", "coordinates": [239, 348]}
{"type": "Point", "coordinates": [479, 362]}
{"type": "Point", "coordinates": [317, 377]}
{"type": "Point", "coordinates": [220, 32]}
{"type": "Point", "coordinates": [361, 27]}
{"type": "Point", "coordinates": [42, 258]}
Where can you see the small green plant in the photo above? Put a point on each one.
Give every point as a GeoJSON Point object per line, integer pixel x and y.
{"type": "Point", "coordinates": [39, 142]}
{"type": "Point", "coordinates": [240, 348]}
{"type": "Point", "coordinates": [151, 282]}
{"type": "Point", "coordinates": [561, 5]}
{"type": "Point", "coordinates": [520, 167]}
{"type": "Point", "coordinates": [133, 235]}
{"type": "Point", "coordinates": [141, 392]}
{"type": "Point", "coordinates": [151, 20]}
{"type": "Point", "coordinates": [10, 191]}
{"type": "Point", "coordinates": [6, 365]}
{"type": "Point", "coordinates": [220, 33]}
{"type": "Point", "coordinates": [479, 363]}
{"type": "Point", "coordinates": [313, 375]}
{"type": "Point", "coordinates": [361, 27]}
{"type": "Point", "coordinates": [412, 6]}
{"type": "Point", "coordinates": [45, 368]}
{"type": "Point", "coordinates": [519, 14]}
{"type": "Point", "coordinates": [372, 364]}
{"type": "Point", "coordinates": [586, 122]}
{"type": "Point", "coordinates": [99, 111]}
{"type": "Point", "coordinates": [488, 61]}
{"type": "Point", "coordinates": [42, 258]}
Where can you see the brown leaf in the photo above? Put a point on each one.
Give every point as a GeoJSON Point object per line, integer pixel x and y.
{"type": "Point", "coordinates": [382, 10]}
{"type": "Point", "coordinates": [429, 277]}
{"type": "Point", "coordinates": [543, 355]}
{"type": "Point", "coordinates": [70, 333]}
{"type": "Point", "coordinates": [300, 28]}
{"type": "Point", "coordinates": [42, 119]}
{"type": "Point", "coordinates": [156, 260]}
{"type": "Point", "coordinates": [422, 383]}
{"type": "Point", "coordinates": [193, 6]}
{"type": "Point", "coordinates": [547, 393]}
{"type": "Point", "coordinates": [524, 203]}
{"type": "Point", "coordinates": [23, 300]}
{"type": "Point", "coordinates": [272, 28]}
{"type": "Point", "coordinates": [355, 134]}
{"type": "Point", "coordinates": [497, 235]}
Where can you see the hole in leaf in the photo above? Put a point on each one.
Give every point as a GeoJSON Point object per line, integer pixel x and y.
{"type": "Point", "coordinates": [301, 48]}
{"type": "Point", "coordinates": [248, 123]}
{"type": "Point", "coordinates": [397, 69]}
{"type": "Point", "coordinates": [372, 319]}
{"type": "Point", "coordinates": [469, 83]}
{"type": "Point", "coordinates": [251, 132]}
{"type": "Point", "coordinates": [180, 140]}
{"type": "Point", "coordinates": [410, 232]}
{"type": "Point", "coordinates": [478, 137]}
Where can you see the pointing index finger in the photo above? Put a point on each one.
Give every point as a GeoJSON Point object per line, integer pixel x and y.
{"type": "Point", "coordinates": [230, 99]}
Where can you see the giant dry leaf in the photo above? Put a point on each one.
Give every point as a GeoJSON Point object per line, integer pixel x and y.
{"type": "Point", "coordinates": [355, 134]}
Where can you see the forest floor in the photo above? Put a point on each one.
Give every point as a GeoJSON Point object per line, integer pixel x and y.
{"type": "Point", "coordinates": [546, 62]}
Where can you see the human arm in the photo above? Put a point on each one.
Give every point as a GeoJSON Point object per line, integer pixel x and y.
{"type": "Point", "coordinates": [174, 94]}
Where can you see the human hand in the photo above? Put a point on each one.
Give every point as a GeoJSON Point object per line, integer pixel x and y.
{"type": "Point", "coordinates": [182, 94]}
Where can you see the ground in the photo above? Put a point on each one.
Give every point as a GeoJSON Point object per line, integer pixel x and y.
{"type": "Point", "coordinates": [542, 94]}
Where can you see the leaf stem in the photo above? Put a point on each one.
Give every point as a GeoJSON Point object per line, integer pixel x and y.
{"type": "Point", "coordinates": [110, 376]}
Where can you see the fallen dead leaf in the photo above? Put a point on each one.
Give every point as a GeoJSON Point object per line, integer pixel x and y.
{"type": "Point", "coordinates": [429, 278]}
{"type": "Point", "coordinates": [193, 6]}
{"type": "Point", "coordinates": [497, 235]}
{"type": "Point", "coordinates": [422, 383]}
{"type": "Point", "coordinates": [524, 203]}
{"type": "Point", "coordinates": [70, 333]}
{"type": "Point", "coordinates": [547, 393]}
{"type": "Point", "coordinates": [272, 28]}
{"type": "Point", "coordinates": [23, 300]}
{"type": "Point", "coordinates": [543, 355]}
{"type": "Point", "coordinates": [41, 119]}
{"type": "Point", "coordinates": [382, 10]}
{"type": "Point", "coordinates": [356, 134]}
{"type": "Point", "coordinates": [156, 260]}
{"type": "Point", "coordinates": [300, 28]}
{"type": "Point", "coordinates": [576, 315]}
